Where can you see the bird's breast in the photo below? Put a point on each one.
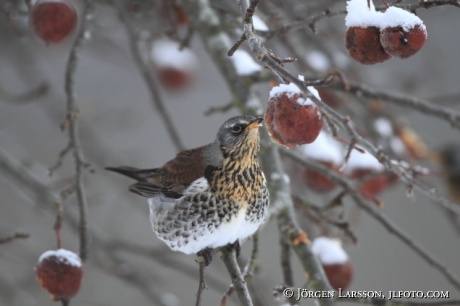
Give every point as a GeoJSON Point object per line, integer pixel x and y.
{"type": "Point", "coordinates": [240, 181]}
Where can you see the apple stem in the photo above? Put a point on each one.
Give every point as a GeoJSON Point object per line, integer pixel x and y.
{"type": "Point", "coordinates": [384, 3]}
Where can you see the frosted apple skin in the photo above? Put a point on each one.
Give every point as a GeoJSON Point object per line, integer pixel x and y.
{"type": "Point", "coordinates": [400, 43]}
{"type": "Point", "coordinates": [291, 124]}
{"type": "Point", "coordinates": [363, 45]}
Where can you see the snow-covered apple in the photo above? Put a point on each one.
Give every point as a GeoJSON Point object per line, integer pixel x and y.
{"type": "Point", "coordinates": [362, 38]}
{"type": "Point", "coordinates": [53, 21]}
{"type": "Point", "coordinates": [59, 272]}
{"type": "Point", "coordinates": [292, 120]}
{"type": "Point", "coordinates": [326, 151]}
{"type": "Point", "coordinates": [364, 164]}
{"type": "Point", "coordinates": [175, 67]}
{"type": "Point", "coordinates": [334, 260]}
{"type": "Point", "coordinates": [403, 33]}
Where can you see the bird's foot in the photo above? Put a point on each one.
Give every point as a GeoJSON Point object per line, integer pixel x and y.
{"type": "Point", "coordinates": [235, 246]}
{"type": "Point", "coordinates": [205, 256]}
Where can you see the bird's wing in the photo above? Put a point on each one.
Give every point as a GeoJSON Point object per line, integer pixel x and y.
{"type": "Point", "coordinates": [172, 179]}
{"type": "Point", "coordinates": [180, 172]}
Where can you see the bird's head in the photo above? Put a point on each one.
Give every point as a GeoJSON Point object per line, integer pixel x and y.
{"type": "Point", "coordinates": [239, 136]}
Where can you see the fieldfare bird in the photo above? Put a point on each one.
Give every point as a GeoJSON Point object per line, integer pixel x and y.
{"type": "Point", "coordinates": [210, 196]}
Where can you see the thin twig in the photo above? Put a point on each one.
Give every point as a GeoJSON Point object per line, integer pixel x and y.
{"type": "Point", "coordinates": [148, 77]}
{"type": "Point", "coordinates": [286, 263]}
{"type": "Point", "coordinates": [219, 109]}
{"type": "Point", "coordinates": [229, 259]}
{"type": "Point", "coordinates": [248, 269]}
{"type": "Point", "coordinates": [58, 223]}
{"type": "Point", "coordinates": [201, 284]}
{"type": "Point", "coordinates": [404, 100]}
{"type": "Point", "coordinates": [15, 236]}
{"type": "Point", "coordinates": [73, 131]}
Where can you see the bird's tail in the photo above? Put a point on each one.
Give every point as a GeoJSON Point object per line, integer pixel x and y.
{"type": "Point", "coordinates": [134, 173]}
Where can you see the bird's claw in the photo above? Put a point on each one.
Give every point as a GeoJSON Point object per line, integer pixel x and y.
{"type": "Point", "coordinates": [205, 256]}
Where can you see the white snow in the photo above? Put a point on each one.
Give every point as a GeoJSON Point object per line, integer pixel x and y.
{"type": "Point", "coordinates": [359, 15]}
{"type": "Point", "coordinates": [62, 255]}
{"type": "Point", "coordinates": [329, 251]}
{"type": "Point", "coordinates": [244, 64]}
{"type": "Point", "coordinates": [291, 89]}
{"type": "Point", "coordinates": [383, 127]}
{"type": "Point", "coordinates": [165, 53]}
{"type": "Point", "coordinates": [259, 24]}
{"type": "Point", "coordinates": [324, 148]}
{"type": "Point", "coordinates": [318, 61]}
{"type": "Point", "coordinates": [360, 160]}
{"type": "Point", "coordinates": [395, 16]}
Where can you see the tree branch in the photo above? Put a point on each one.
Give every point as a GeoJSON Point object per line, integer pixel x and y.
{"type": "Point", "coordinates": [229, 259]}
{"type": "Point", "coordinates": [74, 139]}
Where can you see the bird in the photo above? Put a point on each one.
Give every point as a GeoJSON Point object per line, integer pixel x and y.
{"type": "Point", "coordinates": [208, 197]}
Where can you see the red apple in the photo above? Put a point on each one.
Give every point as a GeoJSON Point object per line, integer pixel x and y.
{"type": "Point", "coordinates": [175, 68]}
{"type": "Point", "coordinates": [372, 187]}
{"type": "Point", "coordinates": [318, 181]}
{"type": "Point", "coordinates": [173, 78]}
{"type": "Point", "coordinates": [53, 21]}
{"type": "Point", "coordinates": [334, 260]}
{"type": "Point", "coordinates": [292, 120]}
{"type": "Point", "coordinates": [400, 43]}
{"type": "Point", "coordinates": [363, 45]}
{"type": "Point", "coordinates": [60, 273]}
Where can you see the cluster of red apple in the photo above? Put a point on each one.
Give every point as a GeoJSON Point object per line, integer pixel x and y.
{"type": "Point", "coordinates": [60, 273]}
{"type": "Point", "coordinates": [373, 37]}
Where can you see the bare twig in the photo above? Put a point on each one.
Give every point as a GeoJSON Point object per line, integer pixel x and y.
{"type": "Point", "coordinates": [74, 139]}
{"type": "Point", "coordinates": [58, 223]}
{"type": "Point", "coordinates": [403, 100]}
{"type": "Point", "coordinates": [219, 109]}
{"type": "Point", "coordinates": [310, 22]}
{"type": "Point", "coordinates": [148, 77]}
{"type": "Point", "coordinates": [60, 159]}
{"type": "Point", "coordinates": [28, 96]}
{"type": "Point", "coordinates": [426, 4]}
{"type": "Point", "coordinates": [15, 236]}
{"type": "Point", "coordinates": [201, 284]}
{"type": "Point", "coordinates": [229, 259]}
{"type": "Point", "coordinates": [248, 269]}
{"type": "Point", "coordinates": [286, 263]}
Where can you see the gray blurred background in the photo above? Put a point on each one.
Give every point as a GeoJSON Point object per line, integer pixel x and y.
{"type": "Point", "coordinates": [127, 264]}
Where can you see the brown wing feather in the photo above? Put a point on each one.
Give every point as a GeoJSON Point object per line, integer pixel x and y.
{"type": "Point", "coordinates": [178, 173]}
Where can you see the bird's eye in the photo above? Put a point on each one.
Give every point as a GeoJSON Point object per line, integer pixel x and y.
{"type": "Point", "coordinates": [236, 129]}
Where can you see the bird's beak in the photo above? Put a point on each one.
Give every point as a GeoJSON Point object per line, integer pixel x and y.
{"type": "Point", "coordinates": [254, 124]}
